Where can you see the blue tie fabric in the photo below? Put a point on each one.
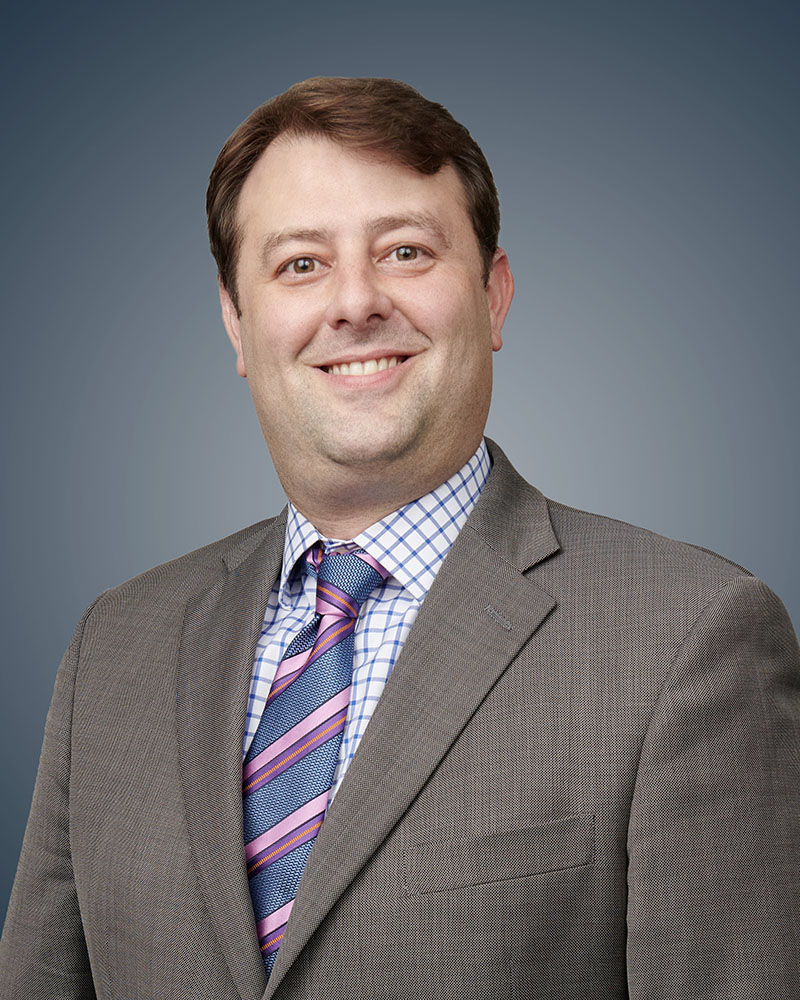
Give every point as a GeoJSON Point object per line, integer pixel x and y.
{"type": "Point", "coordinates": [289, 768]}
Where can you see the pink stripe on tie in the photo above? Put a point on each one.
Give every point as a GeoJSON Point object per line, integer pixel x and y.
{"type": "Point", "coordinates": [274, 920]}
{"type": "Point", "coordinates": [327, 607]}
{"type": "Point", "coordinates": [305, 726]}
{"type": "Point", "coordinates": [292, 663]}
{"type": "Point", "coordinates": [312, 808]}
{"type": "Point", "coordinates": [367, 558]}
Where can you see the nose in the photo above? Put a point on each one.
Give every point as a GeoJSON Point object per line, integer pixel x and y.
{"type": "Point", "coordinates": [357, 297]}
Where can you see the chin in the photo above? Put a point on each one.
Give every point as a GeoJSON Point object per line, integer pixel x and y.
{"type": "Point", "coordinates": [362, 450]}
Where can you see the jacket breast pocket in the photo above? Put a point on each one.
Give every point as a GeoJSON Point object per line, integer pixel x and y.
{"type": "Point", "coordinates": [499, 856]}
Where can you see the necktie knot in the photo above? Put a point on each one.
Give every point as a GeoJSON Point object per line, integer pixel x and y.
{"type": "Point", "coordinates": [344, 580]}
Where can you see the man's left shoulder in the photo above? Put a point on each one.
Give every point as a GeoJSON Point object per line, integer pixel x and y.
{"type": "Point", "coordinates": [627, 550]}
{"type": "Point", "coordinates": [631, 574]}
{"type": "Point", "coordinates": [638, 598]}
{"type": "Point", "coordinates": [598, 562]}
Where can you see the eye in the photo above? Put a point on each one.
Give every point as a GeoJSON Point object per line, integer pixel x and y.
{"type": "Point", "coordinates": [405, 253]}
{"type": "Point", "coordinates": [302, 265]}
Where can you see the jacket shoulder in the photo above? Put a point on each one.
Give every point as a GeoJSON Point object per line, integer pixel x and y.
{"type": "Point", "coordinates": [586, 550]}
{"type": "Point", "coordinates": [178, 578]}
{"type": "Point", "coordinates": [633, 559]}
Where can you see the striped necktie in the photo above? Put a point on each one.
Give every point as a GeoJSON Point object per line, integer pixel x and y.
{"type": "Point", "coordinates": [289, 768]}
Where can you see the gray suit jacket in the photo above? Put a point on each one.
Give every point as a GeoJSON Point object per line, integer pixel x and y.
{"type": "Point", "coordinates": [582, 781]}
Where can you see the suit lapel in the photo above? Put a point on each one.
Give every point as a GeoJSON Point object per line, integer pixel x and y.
{"type": "Point", "coordinates": [222, 625]}
{"type": "Point", "coordinates": [476, 617]}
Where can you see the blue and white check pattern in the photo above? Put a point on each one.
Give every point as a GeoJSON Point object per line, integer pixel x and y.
{"type": "Point", "coordinates": [411, 544]}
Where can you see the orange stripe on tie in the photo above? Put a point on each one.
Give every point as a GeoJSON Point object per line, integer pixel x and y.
{"type": "Point", "coordinates": [294, 753]}
{"type": "Point", "coordinates": [266, 944]}
{"type": "Point", "coordinates": [268, 857]}
{"type": "Point", "coordinates": [331, 637]}
{"type": "Point", "coordinates": [353, 610]}
{"type": "Point", "coordinates": [315, 649]}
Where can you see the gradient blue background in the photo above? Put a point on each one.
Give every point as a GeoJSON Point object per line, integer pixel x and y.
{"type": "Point", "coordinates": [647, 160]}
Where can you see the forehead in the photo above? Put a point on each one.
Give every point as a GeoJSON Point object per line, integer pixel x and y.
{"type": "Point", "coordinates": [310, 180]}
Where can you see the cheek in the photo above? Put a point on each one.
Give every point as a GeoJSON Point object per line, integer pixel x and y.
{"type": "Point", "coordinates": [286, 327]}
{"type": "Point", "coordinates": [270, 341]}
{"type": "Point", "coordinates": [444, 315]}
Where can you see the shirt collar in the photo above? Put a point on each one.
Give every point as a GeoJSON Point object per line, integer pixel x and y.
{"type": "Point", "coordinates": [411, 542]}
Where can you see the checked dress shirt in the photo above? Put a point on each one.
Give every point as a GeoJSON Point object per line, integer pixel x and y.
{"type": "Point", "coordinates": [411, 543]}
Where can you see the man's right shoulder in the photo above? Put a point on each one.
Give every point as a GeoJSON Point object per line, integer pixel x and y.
{"type": "Point", "coordinates": [178, 579]}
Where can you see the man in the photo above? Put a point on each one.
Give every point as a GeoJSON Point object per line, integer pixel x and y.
{"type": "Point", "coordinates": [558, 755]}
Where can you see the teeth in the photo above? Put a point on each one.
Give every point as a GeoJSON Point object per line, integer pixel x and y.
{"type": "Point", "coordinates": [364, 367]}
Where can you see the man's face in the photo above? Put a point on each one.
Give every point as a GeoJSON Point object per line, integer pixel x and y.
{"type": "Point", "coordinates": [365, 327]}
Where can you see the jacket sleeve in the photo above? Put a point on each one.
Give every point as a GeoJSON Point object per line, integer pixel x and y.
{"type": "Point", "coordinates": [714, 834]}
{"type": "Point", "coordinates": [43, 952]}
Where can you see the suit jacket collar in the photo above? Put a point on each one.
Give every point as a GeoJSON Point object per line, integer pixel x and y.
{"type": "Point", "coordinates": [478, 614]}
{"type": "Point", "coordinates": [222, 625]}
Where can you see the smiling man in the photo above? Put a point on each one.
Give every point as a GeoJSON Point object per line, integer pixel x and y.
{"type": "Point", "coordinates": [360, 314]}
{"type": "Point", "coordinates": [426, 733]}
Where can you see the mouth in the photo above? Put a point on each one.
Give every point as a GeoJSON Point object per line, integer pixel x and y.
{"type": "Point", "coordinates": [370, 367]}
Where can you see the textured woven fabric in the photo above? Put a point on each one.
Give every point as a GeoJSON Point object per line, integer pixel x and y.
{"type": "Point", "coordinates": [581, 783]}
{"type": "Point", "coordinates": [411, 543]}
{"type": "Point", "coordinates": [289, 768]}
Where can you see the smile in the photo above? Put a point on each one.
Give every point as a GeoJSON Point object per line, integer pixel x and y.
{"type": "Point", "coordinates": [364, 367]}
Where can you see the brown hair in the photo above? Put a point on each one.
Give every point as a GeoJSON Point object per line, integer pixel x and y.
{"type": "Point", "coordinates": [377, 115]}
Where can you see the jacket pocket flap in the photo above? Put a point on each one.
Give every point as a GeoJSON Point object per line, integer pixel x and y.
{"type": "Point", "coordinates": [500, 856]}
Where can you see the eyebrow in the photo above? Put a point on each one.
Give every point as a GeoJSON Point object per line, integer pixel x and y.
{"type": "Point", "coordinates": [274, 241]}
{"type": "Point", "coordinates": [385, 223]}
{"type": "Point", "coordinates": [414, 220]}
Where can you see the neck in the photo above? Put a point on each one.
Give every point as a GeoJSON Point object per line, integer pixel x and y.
{"type": "Point", "coordinates": [347, 514]}
{"type": "Point", "coordinates": [342, 507]}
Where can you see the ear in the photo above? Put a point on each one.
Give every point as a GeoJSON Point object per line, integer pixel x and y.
{"type": "Point", "coordinates": [230, 318]}
{"type": "Point", "coordinates": [499, 292]}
